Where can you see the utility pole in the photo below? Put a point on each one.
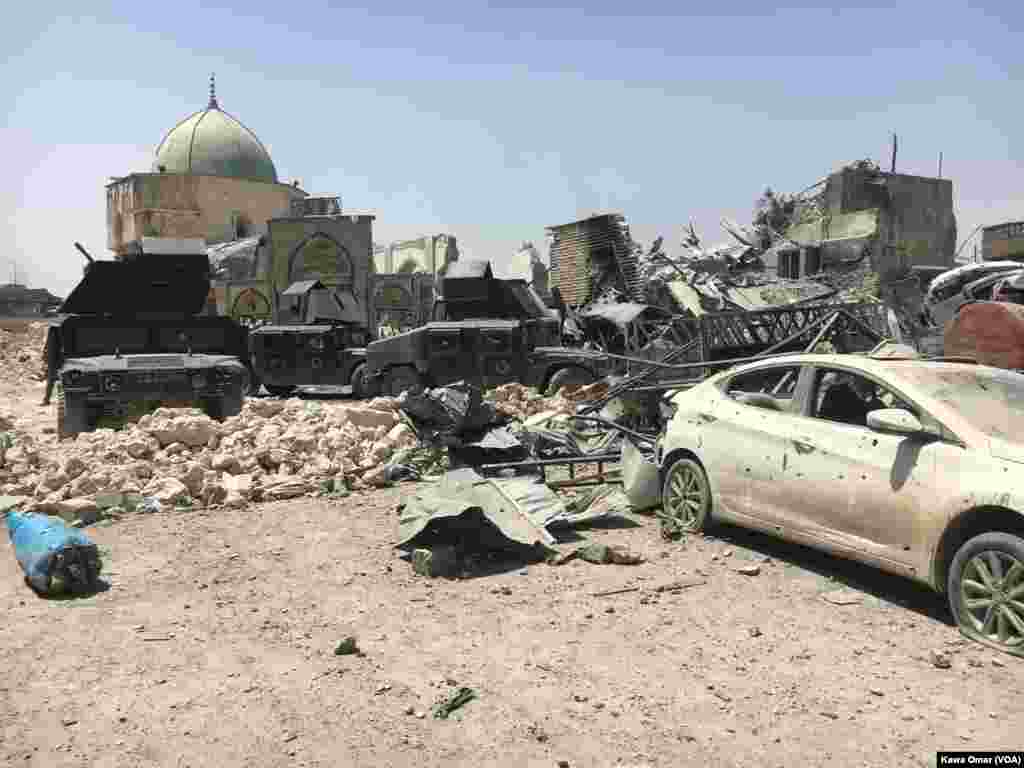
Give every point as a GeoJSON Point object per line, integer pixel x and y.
{"type": "Point", "coordinates": [894, 145]}
{"type": "Point", "coordinates": [940, 164]}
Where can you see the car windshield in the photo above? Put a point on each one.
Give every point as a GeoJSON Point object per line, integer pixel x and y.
{"type": "Point", "coordinates": [992, 400]}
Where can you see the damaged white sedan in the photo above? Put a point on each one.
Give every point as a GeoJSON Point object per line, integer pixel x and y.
{"type": "Point", "coordinates": [913, 466]}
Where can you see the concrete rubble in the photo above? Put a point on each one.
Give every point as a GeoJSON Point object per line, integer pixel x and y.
{"type": "Point", "coordinates": [21, 353]}
{"type": "Point", "coordinates": [273, 450]}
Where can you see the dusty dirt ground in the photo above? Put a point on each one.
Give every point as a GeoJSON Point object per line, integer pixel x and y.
{"type": "Point", "coordinates": [214, 646]}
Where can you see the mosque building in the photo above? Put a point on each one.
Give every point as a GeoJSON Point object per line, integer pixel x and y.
{"type": "Point", "coordinates": [212, 178]}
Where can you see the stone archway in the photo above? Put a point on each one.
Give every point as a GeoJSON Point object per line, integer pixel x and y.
{"type": "Point", "coordinates": [320, 257]}
{"type": "Point", "coordinates": [250, 303]}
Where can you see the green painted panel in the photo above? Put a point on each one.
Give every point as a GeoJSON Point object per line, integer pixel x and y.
{"type": "Point", "coordinates": [842, 226]}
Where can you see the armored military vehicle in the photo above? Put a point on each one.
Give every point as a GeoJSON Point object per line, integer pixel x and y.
{"type": "Point", "coordinates": [318, 338]}
{"type": "Point", "coordinates": [131, 332]}
{"type": "Point", "coordinates": [484, 329]}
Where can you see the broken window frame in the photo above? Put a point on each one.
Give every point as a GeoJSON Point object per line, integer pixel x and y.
{"type": "Point", "coordinates": [785, 371]}
{"type": "Point", "coordinates": [815, 396]}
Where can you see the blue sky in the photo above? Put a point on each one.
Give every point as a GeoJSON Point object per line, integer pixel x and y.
{"type": "Point", "coordinates": [492, 121]}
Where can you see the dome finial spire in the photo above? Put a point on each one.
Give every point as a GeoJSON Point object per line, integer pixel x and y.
{"type": "Point", "coordinates": [213, 93]}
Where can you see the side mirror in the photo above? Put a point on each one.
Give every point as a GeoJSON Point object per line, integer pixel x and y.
{"type": "Point", "coordinates": [895, 420]}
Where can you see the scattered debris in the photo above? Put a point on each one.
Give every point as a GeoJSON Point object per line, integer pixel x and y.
{"type": "Point", "coordinates": [940, 660]}
{"type": "Point", "coordinates": [673, 586]}
{"type": "Point", "coordinates": [55, 557]}
{"type": "Point", "coordinates": [470, 512]}
{"type": "Point", "coordinates": [348, 647]}
{"type": "Point", "coordinates": [440, 561]}
{"type": "Point", "coordinates": [843, 597]}
{"type": "Point", "coordinates": [641, 480]}
{"type": "Point", "coordinates": [602, 554]}
{"type": "Point", "coordinates": [453, 702]}
{"type": "Point", "coordinates": [749, 570]}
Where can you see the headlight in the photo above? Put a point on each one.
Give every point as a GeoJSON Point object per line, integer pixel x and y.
{"type": "Point", "coordinates": [112, 383]}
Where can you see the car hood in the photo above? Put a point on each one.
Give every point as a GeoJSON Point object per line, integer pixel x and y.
{"type": "Point", "coordinates": [1006, 450]}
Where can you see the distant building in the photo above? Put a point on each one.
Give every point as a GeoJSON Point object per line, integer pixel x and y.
{"type": "Point", "coordinates": [1003, 241]}
{"type": "Point", "coordinates": [18, 301]}
{"type": "Point", "coordinates": [429, 254]}
{"type": "Point", "coordinates": [211, 178]}
{"type": "Point", "coordinates": [889, 220]}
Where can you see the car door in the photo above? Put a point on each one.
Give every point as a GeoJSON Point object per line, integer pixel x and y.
{"type": "Point", "coordinates": [744, 446]}
{"type": "Point", "coordinates": [858, 489]}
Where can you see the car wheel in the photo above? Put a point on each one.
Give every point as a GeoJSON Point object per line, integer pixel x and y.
{"type": "Point", "coordinates": [686, 495]}
{"type": "Point", "coordinates": [986, 590]}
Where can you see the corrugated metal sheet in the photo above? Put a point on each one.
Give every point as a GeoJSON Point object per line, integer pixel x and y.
{"type": "Point", "coordinates": [571, 247]}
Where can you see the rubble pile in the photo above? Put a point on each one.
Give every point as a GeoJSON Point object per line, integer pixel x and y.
{"type": "Point", "coordinates": [273, 449]}
{"type": "Point", "coordinates": [21, 353]}
{"type": "Point", "coordinates": [519, 402]}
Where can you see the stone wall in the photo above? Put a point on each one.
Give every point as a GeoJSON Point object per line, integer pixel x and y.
{"type": "Point", "coordinates": [179, 205]}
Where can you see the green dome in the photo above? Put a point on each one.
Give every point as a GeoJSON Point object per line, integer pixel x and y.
{"type": "Point", "coordinates": [212, 142]}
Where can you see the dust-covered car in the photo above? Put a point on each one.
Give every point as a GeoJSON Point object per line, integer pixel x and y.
{"type": "Point", "coordinates": [913, 466]}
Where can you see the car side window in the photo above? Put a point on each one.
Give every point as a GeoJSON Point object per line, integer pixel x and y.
{"type": "Point", "coordinates": [770, 388]}
{"type": "Point", "coordinates": [848, 397]}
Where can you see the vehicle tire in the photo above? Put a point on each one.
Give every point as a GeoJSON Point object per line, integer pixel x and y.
{"type": "Point", "coordinates": [73, 418]}
{"type": "Point", "coordinates": [686, 495]}
{"type": "Point", "coordinates": [279, 390]}
{"type": "Point", "coordinates": [220, 408]}
{"type": "Point", "coordinates": [569, 376]}
{"type": "Point", "coordinates": [358, 381]}
{"type": "Point", "coordinates": [253, 384]}
{"type": "Point", "coordinates": [986, 590]}
{"type": "Point", "coordinates": [402, 378]}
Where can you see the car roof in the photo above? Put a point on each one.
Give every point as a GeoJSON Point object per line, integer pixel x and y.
{"type": "Point", "coordinates": [880, 366]}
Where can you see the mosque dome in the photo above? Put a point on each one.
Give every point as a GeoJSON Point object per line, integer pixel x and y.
{"type": "Point", "coordinates": [212, 142]}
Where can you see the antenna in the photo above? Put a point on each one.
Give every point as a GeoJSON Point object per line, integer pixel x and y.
{"type": "Point", "coordinates": [940, 164]}
{"type": "Point", "coordinates": [895, 142]}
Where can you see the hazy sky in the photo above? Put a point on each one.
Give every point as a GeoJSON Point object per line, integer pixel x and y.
{"type": "Point", "coordinates": [491, 121]}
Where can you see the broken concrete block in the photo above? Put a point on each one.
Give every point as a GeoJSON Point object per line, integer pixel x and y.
{"type": "Point", "coordinates": [440, 561]}
{"type": "Point", "coordinates": [166, 490]}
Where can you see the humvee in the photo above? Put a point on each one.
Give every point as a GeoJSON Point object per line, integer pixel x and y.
{"type": "Point", "coordinates": [318, 339]}
{"type": "Point", "coordinates": [131, 332]}
{"type": "Point", "coordinates": [485, 330]}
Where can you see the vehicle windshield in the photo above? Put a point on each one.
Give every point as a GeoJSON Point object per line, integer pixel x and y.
{"type": "Point", "coordinates": [992, 400]}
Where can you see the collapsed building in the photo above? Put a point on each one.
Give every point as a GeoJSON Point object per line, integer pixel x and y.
{"type": "Point", "coordinates": [861, 213]}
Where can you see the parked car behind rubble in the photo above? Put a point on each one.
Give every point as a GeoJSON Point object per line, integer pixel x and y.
{"type": "Point", "coordinates": [913, 466]}
{"type": "Point", "coordinates": [946, 293]}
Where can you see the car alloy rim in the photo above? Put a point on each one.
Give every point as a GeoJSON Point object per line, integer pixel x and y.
{"type": "Point", "coordinates": [992, 597]}
{"type": "Point", "coordinates": [686, 496]}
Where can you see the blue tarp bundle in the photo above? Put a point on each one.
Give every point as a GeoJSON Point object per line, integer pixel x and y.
{"type": "Point", "coordinates": [55, 557]}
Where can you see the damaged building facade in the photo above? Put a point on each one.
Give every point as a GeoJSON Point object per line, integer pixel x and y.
{"type": "Point", "coordinates": [888, 220]}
